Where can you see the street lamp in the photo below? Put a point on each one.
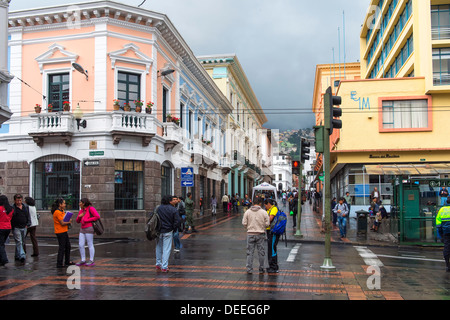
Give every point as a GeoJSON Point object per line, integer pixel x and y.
{"type": "Point", "coordinates": [81, 70]}
{"type": "Point", "coordinates": [78, 114]}
{"type": "Point", "coordinates": [165, 72]}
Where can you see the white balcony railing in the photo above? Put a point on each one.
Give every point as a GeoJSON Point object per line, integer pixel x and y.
{"type": "Point", "coordinates": [56, 122]}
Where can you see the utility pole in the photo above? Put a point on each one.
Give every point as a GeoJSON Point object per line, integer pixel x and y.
{"type": "Point", "coordinates": [304, 156]}
{"type": "Point", "coordinates": [330, 123]}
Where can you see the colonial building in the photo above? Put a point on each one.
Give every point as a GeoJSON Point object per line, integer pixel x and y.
{"type": "Point", "coordinates": [89, 68]}
{"type": "Point", "coordinates": [5, 76]}
{"type": "Point", "coordinates": [249, 142]}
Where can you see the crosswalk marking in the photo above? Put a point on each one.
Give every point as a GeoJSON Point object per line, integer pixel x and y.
{"type": "Point", "coordinates": [293, 253]}
{"type": "Point", "coordinates": [369, 257]}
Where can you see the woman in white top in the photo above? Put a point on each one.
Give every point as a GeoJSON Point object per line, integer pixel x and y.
{"type": "Point", "coordinates": [34, 223]}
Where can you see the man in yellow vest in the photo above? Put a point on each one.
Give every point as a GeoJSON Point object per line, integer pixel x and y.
{"type": "Point", "coordinates": [443, 226]}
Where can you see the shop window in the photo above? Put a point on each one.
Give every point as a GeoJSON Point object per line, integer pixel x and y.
{"type": "Point", "coordinates": [129, 185]}
{"type": "Point", "coordinates": [56, 177]}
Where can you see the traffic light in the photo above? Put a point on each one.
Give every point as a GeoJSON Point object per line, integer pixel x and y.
{"type": "Point", "coordinates": [305, 149]}
{"type": "Point", "coordinates": [296, 168]}
{"type": "Point", "coordinates": [331, 112]}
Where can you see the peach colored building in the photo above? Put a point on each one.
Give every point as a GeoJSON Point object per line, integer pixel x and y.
{"type": "Point", "coordinates": [124, 161]}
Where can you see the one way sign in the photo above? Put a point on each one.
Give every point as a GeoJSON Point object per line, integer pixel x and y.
{"type": "Point", "coordinates": [187, 177]}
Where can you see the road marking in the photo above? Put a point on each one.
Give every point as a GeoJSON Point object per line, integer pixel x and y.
{"type": "Point", "coordinates": [370, 258]}
{"type": "Point", "coordinates": [293, 253]}
{"type": "Point", "coordinates": [76, 248]}
{"type": "Point", "coordinates": [411, 258]}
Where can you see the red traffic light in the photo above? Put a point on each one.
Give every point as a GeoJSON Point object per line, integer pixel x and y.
{"type": "Point", "coordinates": [296, 164]}
{"type": "Point", "coordinates": [296, 167]}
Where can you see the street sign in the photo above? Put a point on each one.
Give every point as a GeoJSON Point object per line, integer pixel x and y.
{"type": "Point", "coordinates": [96, 153]}
{"type": "Point", "coordinates": [91, 163]}
{"type": "Point", "coordinates": [187, 177]}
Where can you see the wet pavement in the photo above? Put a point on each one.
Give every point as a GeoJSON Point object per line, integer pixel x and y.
{"type": "Point", "coordinates": [211, 267]}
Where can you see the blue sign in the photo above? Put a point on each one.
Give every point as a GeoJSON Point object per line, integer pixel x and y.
{"type": "Point", "coordinates": [187, 177]}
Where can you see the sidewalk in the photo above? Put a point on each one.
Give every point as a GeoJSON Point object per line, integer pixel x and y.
{"type": "Point", "coordinates": [311, 230]}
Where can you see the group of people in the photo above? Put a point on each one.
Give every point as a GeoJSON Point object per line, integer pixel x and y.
{"type": "Point", "coordinates": [22, 220]}
{"type": "Point", "coordinates": [258, 223]}
{"type": "Point", "coordinates": [232, 203]}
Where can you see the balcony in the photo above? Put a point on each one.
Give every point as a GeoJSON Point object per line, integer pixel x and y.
{"type": "Point", "coordinates": [226, 164]}
{"type": "Point", "coordinates": [173, 135]}
{"type": "Point", "coordinates": [204, 154]}
{"type": "Point", "coordinates": [134, 124]}
{"type": "Point", "coordinates": [52, 126]}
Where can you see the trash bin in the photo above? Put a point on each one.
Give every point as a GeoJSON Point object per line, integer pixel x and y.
{"type": "Point", "coordinates": [362, 222]}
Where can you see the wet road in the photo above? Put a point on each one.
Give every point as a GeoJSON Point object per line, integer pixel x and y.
{"type": "Point", "coordinates": [211, 266]}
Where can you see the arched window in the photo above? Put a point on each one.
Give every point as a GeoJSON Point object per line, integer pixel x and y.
{"type": "Point", "coordinates": [166, 179]}
{"type": "Point", "coordinates": [56, 176]}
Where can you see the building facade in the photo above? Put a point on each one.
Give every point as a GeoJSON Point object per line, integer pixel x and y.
{"type": "Point", "coordinates": [101, 58]}
{"type": "Point", "coordinates": [5, 76]}
{"type": "Point", "coordinates": [395, 116]}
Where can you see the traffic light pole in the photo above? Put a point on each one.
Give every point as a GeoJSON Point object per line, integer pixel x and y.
{"type": "Point", "coordinates": [298, 232]}
{"type": "Point", "coordinates": [327, 263]}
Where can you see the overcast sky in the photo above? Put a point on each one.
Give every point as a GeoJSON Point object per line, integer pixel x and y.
{"type": "Point", "coordinates": [278, 42]}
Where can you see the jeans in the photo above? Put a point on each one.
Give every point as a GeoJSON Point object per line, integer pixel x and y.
{"type": "Point", "coordinates": [89, 238]}
{"type": "Point", "coordinates": [343, 226]}
{"type": "Point", "coordinates": [19, 238]}
{"type": "Point", "coordinates": [163, 248]}
{"type": "Point", "coordinates": [255, 241]}
{"type": "Point", "coordinates": [272, 256]}
{"type": "Point", "coordinates": [443, 201]}
{"type": "Point", "coordinates": [176, 239]}
{"type": "Point", "coordinates": [4, 234]}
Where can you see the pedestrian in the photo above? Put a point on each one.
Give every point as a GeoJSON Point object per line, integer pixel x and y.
{"type": "Point", "coordinates": [20, 222]}
{"type": "Point", "coordinates": [6, 213]}
{"type": "Point", "coordinates": [213, 205]}
{"type": "Point", "coordinates": [61, 230]}
{"type": "Point", "coordinates": [333, 214]}
{"type": "Point", "coordinates": [375, 195]}
{"type": "Point", "coordinates": [443, 226]}
{"type": "Point", "coordinates": [176, 232]}
{"type": "Point", "coordinates": [295, 210]}
{"type": "Point", "coordinates": [230, 204]}
{"type": "Point", "coordinates": [169, 221]}
{"type": "Point", "coordinates": [348, 201]}
{"type": "Point", "coordinates": [256, 221]}
{"type": "Point", "coordinates": [443, 193]}
{"type": "Point", "coordinates": [29, 201]}
{"type": "Point", "coordinates": [190, 213]}
{"type": "Point", "coordinates": [225, 201]}
{"type": "Point", "coordinates": [86, 216]}
{"type": "Point", "coordinates": [272, 239]}
{"type": "Point", "coordinates": [341, 211]}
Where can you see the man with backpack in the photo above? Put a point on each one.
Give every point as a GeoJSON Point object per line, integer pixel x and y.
{"type": "Point", "coordinates": [272, 238]}
{"type": "Point", "coordinates": [341, 210]}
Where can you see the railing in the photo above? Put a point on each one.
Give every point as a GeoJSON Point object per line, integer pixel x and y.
{"type": "Point", "coordinates": [134, 122]}
{"type": "Point", "coordinates": [56, 122]}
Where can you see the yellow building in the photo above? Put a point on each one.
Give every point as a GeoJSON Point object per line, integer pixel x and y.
{"type": "Point", "coordinates": [395, 117]}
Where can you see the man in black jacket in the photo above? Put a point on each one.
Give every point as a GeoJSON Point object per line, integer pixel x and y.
{"type": "Point", "coordinates": [19, 223]}
{"type": "Point", "coordinates": [170, 221]}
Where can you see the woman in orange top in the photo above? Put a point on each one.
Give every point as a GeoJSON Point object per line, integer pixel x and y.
{"type": "Point", "coordinates": [61, 231]}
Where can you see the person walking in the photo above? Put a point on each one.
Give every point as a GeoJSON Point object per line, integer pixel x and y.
{"type": "Point", "coordinates": [443, 226]}
{"type": "Point", "coordinates": [6, 213]}
{"type": "Point", "coordinates": [225, 201]}
{"type": "Point", "coordinates": [20, 222]}
{"type": "Point", "coordinates": [86, 216]}
{"type": "Point", "coordinates": [169, 221]}
{"type": "Point", "coordinates": [61, 230]}
{"type": "Point", "coordinates": [179, 205]}
{"type": "Point", "coordinates": [256, 221]}
{"type": "Point", "coordinates": [34, 223]}
{"type": "Point", "coordinates": [295, 210]}
{"type": "Point", "coordinates": [190, 213]}
{"type": "Point", "coordinates": [272, 239]}
{"type": "Point", "coordinates": [213, 205]}
{"type": "Point", "coordinates": [341, 211]}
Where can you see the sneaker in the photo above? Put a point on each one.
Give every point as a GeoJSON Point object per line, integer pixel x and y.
{"type": "Point", "coordinates": [158, 268]}
{"type": "Point", "coordinates": [81, 263]}
{"type": "Point", "coordinates": [176, 250]}
{"type": "Point", "coordinates": [165, 270]}
{"type": "Point", "coordinates": [90, 263]}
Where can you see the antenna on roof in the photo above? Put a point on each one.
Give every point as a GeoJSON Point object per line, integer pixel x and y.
{"type": "Point", "coordinates": [142, 3]}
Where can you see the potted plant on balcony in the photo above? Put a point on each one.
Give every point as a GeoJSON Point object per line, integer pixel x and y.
{"type": "Point", "coordinates": [126, 107]}
{"type": "Point", "coordinates": [116, 104]}
{"type": "Point", "coordinates": [148, 108]}
{"type": "Point", "coordinates": [66, 106]}
{"type": "Point", "coordinates": [176, 120]}
{"type": "Point", "coordinates": [50, 108]}
{"type": "Point", "coordinates": [37, 108]}
{"type": "Point", "coordinates": [138, 104]}
{"type": "Point", "coordinates": [169, 118]}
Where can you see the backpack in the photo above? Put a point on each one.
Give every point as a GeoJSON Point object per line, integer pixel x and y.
{"type": "Point", "coordinates": [278, 226]}
{"type": "Point", "coordinates": [153, 226]}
